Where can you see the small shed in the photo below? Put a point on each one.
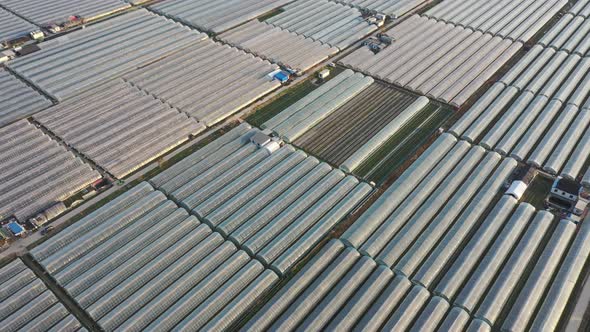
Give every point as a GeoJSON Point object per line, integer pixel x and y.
{"type": "Point", "coordinates": [323, 74]}
{"type": "Point", "coordinates": [517, 189]}
{"type": "Point", "coordinates": [260, 139]}
{"type": "Point", "coordinates": [15, 229]}
{"type": "Point", "coordinates": [282, 76]}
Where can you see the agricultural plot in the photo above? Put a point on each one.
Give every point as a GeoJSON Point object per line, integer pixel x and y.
{"type": "Point", "coordinates": [27, 304]}
{"type": "Point", "coordinates": [437, 59]}
{"type": "Point", "coordinates": [350, 127]}
{"type": "Point", "coordinates": [12, 26]}
{"type": "Point", "coordinates": [341, 290]}
{"type": "Point", "coordinates": [217, 15]}
{"type": "Point", "coordinates": [405, 143]}
{"type": "Point", "coordinates": [310, 110]}
{"type": "Point", "coordinates": [74, 63]}
{"type": "Point", "coordinates": [276, 202]}
{"type": "Point", "coordinates": [58, 11]}
{"type": "Point", "coordinates": [279, 46]}
{"type": "Point", "coordinates": [36, 172]}
{"type": "Point", "coordinates": [18, 100]}
{"type": "Point", "coordinates": [570, 34]}
{"type": "Point", "coordinates": [331, 23]}
{"type": "Point", "coordinates": [122, 130]}
{"type": "Point", "coordinates": [391, 8]}
{"type": "Point", "coordinates": [142, 263]}
{"type": "Point", "coordinates": [208, 80]}
{"type": "Point", "coordinates": [538, 113]}
{"type": "Point", "coordinates": [515, 20]}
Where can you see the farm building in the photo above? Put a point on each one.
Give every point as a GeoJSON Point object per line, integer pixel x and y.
{"type": "Point", "coordinates": [222, 80]}
{"type": "Point", "coordinates": [71, 64]}
{"type": "Point", "coordinates": [12, 26]}
{"type": "Point", "coordinates": [275, 203]}
{"type": "Point", "coordinates": [36, 171]}
{"type": "Point", "coordinates": [17, 99]}
{"type": "Point", "coordinates": [515, 20]}
{"type": "Point", "coordinates": [437, 59]}
{"type": "Point", "coordinates": [331, 23]}
{"type": "Point", "coordinates": [391, 8]}
{"type": "Point", "coordinates": [123, 130]}
{"type": "Point", "coordinates": [142, 263]}
{"type": "Point", "coordinates": [27, 304]}
{"type": "Point", "coordinates": [217, 15]}
{"type": "Point", "coordinates": [538, 113]}
{"type": "Point", "coordinates": [279, 46]}
{"type": "Point", "coordinates": [564, 194]}
{"type": "Point", "coordinates": [44, 13]}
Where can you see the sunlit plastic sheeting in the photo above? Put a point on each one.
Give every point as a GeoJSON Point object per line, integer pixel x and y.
{"type": "Point", "coordinates": [497, 252]}
{"type": "Point", "coordinates": [562, 288]}
{"type": "Point", "coordinates": [217, 15]}
{"type": "Point", "coordinates": [59, 11]}
{"type": "Point", "coordinates": [451, 171]}
{"type": "Point", "coordinates": [440, 60]}
{"type": "Point", "coordinates": [275, 204]}
{"type": "Point", "coordinates": [473, 253]}
{"type": "Point", "coordinates": [314, 96]}
{"type": "Point", "coordinates": [369, 221]}
{"type": "Point", "coordinates": [343, 290]}
{"type": "Point", "coordinates": [392, 8]}
{"type": "Point", "coordinates": [12, 26]}
{"type": "Point", "coordinates": [279, 46]}
{"type": "Point", "coordinates": [456, 320]}
{"type": "Point", "coordinates": [531, 294]}
{"type": "Point", "coordinates": [36, 171]}
{"type": "Point", "coordinates": [384, 135]}
{"type": "Point", "coordinates": [432, 315]}
{"type": "Point", "coordinates": [18, 100]}
{"type": "Point", "coordinates": [581, 7]}
{"type": "Point", "coordinates": [569, 34]}
{"type": "Point", "coordinates": [90, 222]}
{"type": "Point", "coordinates": [568, 142]}
{"type": "Point", "coordinates": [329, 22]}
{"type": "Point", "coordinates": [141, 262]}
{"type": "Point", "coordinates": [554, 134]}
{"type": "Point", "coordinates": [220, 81]}
{"type": "Point", "coordinates": [26, 303]}
{"type": "Point", "coordinates": [499, 293]}
{"type": "Point", "coordinates": [426, 259]}
{"type": "Point", "coordinates": [509, 19]}
{"type": "Point", "coordinates": [304, 114]}
{"type": "Point", "coordinates": [586, 179]}
{"type": "Point", "coordinates": [84, 58]}
{"type": "Point", "coordinates": [478, 325]}
{"type": "Point", "coordinates": [536, 113]}
{"type": "Point", "coordinates": [122, 130]}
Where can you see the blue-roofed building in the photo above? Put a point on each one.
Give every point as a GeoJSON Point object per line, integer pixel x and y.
{"type": "Point", "coordinates": [282, 76]}
{"type": "Point", "coordinates": [15, 229]}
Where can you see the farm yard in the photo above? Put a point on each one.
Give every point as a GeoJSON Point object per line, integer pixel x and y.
{"type": "Point", "coordinates": [290, 165]}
